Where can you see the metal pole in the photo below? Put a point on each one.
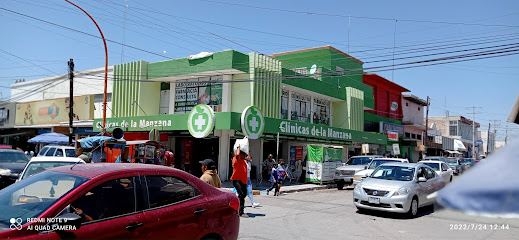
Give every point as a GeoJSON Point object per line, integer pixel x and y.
{"type": "Point", "coordinates": [71, 100]}
{"type": "Point", "coordinates": [426, 125]}
{"type": "Point", "coordinates": [106, 64]}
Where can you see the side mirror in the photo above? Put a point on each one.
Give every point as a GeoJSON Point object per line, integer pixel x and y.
{"type": "Point", "coordinates": [365, 167]}
{"type": "Point", "coordinates": [69, 221]}
{"type": "Point", "coordinates": [422, 179]}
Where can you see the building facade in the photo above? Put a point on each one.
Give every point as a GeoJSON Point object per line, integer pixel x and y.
{"type": "Point", "coordinates": [310, 96]}
{"type": "Point", "coordinates": [460, 129]}
{"type": "Point", "coordinates": [413, 121]}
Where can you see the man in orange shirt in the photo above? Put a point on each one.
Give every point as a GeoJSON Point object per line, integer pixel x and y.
{"type": "Point", "coordinates": [239, 178]}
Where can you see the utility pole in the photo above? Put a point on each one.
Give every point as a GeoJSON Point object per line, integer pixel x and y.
{"type": "Point", "coordinates": [506, 133]}
{"type": "Point", "coordinates": [71, 100]}
{"type": "Point", "coordinates": [474, 131]}
{"type": "Point", "coordinates": [488, 138]}
{"type": "Point", "coordinates": [426, 123]}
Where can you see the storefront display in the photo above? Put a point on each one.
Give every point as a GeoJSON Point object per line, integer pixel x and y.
{"type": "Point", "coordinates": [321, 163]}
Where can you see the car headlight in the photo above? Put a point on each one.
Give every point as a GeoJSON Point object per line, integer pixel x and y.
{"type": "Point", "coordinates": [356, 177]}
{"type": "Point", "coordinates": [402, 191]}
{"type": "Point", "coordinates": [357, 189]}
{"type": "Point", "coordinates": [5, 172]}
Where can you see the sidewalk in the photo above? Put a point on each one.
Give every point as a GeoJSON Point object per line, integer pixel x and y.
{"type": "Point", "coordinates": [286, 188]}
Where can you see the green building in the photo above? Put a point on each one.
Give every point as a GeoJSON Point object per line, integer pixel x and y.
{"type": "Point", "coordinates": [307, 96]}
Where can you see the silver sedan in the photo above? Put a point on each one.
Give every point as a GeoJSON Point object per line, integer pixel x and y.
{"type": "Point", "coordinates": [398, 187]}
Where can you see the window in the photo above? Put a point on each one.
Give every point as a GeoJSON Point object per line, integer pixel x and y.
{"type": "Point", "coordinates": [191, 92]}
{"type": "Point", "coordinates": [408, 135]}
{"type": "Point", "coordinates": [50, 152]}
{"type": "Point", "coordinates": [99, 98]}
{"type": "Point", "coordinates": [418, 108]}
{"type": "Point", "coordinates": [302, 70]}
{"type": "Point", "coordinates": [321, 111]}
{"type": "Point", "coordinates": [300, 107]}
{"type": "Point", "coordinates": [112, 198]}
{"type": "Point", "coordinates": [453, 130]}
{"type": "Point", "coordinates": [429, 173]}
{"type": "Point", "coordinates": [284, 104]}
{"type": "Point", "coordinates": [43, 151]}
{"type": "Point", "coordinates": [166, 190]}
{"type": "Point", "coordinates": [58, 153]}
{"type": "Point", "coordinates": [444, 167]}
{"type": "Point", "coordinates": [70, 153]}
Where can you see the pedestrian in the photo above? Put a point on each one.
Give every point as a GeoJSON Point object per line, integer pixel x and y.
{"type": "Point", "coordinates": [274, 180]}
{"type": "Point", "coordinates": [267, 166]}
{"type": "Point", "coordinates": [239, 178]}
{"type": "Point", "coordinates": [169, 158]}
{"type": "Point", "coordinates": [302, 178]}
{"type": "Point", "coordinates": [82, 155]}
{"type": "Point", "coordinates": [210, 175]}
{"type": "Point", "coordinates": [282, 173]}
{"type": "Point", "coordinates": [249, 184]}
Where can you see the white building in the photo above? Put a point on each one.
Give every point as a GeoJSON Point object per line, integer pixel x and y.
{"type": "Point", "coordinates": [488, 145]}
{"type": "Point", "coordinates": [459, 128]}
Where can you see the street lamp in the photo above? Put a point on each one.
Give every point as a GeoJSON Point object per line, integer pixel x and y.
{"type": "Point", "coordinates": [106, 64]}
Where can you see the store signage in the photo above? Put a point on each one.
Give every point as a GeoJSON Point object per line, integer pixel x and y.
{"type": "Point", "coordinates": [392, 135]}
{"type": "Point", "coordinates": [396, 149]}
{"type": "Point", "coordinates": [200, 121]}
{"type": "Point", "coordinates": [252, 122]}
{"type": "Point", "coordinates": [385, 127]}
{"type": "Point", "coordinates": [54, 111]}
{"type": "Point", "coordinates": [394, 106]}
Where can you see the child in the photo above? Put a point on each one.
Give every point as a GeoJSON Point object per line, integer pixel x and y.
{"type": "Point", "coordinates": [274, 180]}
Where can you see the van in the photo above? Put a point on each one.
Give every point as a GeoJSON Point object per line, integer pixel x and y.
{"type": "Point", "coordinates": [57, 151]}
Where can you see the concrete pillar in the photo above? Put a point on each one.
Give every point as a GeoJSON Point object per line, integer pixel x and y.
{"type": "Point", "coordinates": [223, 152]}
{"type": "Point", "coordinates": [226, 93]}
{"type": "Point", "coordinates": [256, 151]}
{"type": "Point", "coordinates": [172, 94]}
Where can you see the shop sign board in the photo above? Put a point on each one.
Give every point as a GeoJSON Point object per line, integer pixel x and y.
{"type": "Point", "coordinates": [200, 121]}
{"type": "Point", "coordinates": [392, 135]}
{"type": "Point", "coordinates": [385, 127]}
{"type": "Point", "coordinates": [252, 122]}
{"type": "Point", "coordinates": [396, 149]}
{"type": "Point", "coordinates": [53, 111]}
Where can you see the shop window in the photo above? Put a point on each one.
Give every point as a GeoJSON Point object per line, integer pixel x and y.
{"type": "Point", "coordinates": [321, 111]}
{"type": "Point", "coordinates": [284, 104]}
{"type": "Point", "coordinates": [453, 130]}
{"type": "Point", "coordinates": [419, 136]}
{"type": "Point", "coordinates": [191, 92]}
{"type": "Point", "coordinates": [408, 135]}
{"type": "Point", "coordinates": [300, 107]}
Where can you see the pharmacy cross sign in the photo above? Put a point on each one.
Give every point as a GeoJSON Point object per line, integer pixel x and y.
{"type": "Point", "coordinates": [200, 121]}
{"type": "Point", "coordinates": [252, 122]}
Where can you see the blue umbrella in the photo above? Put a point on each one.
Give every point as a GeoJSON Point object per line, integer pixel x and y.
{"type": "Point", "coordinates": [490, 187]}
{"type": "Point", "coordinates": [51, 138]}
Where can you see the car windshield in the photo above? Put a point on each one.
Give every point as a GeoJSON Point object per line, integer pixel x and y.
{"type": "Point", "coordinates": [399, 173]}
{"type": "Point", "coordinates": [36, 167]}
{"type": "Point", "coordinates": [375, 163]}
{"type": "Point", "coordinates": [31, 197]}
{"type": "Point", "coordinates": [468, 160]}
{"type": "Point", "coordinates": [13, 157]}
{"type": "Point", "coordinates": [435, 166]}
{"type": "Point", "coordinates": [359, 160]}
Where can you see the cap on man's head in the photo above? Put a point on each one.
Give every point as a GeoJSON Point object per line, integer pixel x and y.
{"type": "Point", "coordinates": [209, 163]}
{"type": "Point", "coordinates": [270, 155]}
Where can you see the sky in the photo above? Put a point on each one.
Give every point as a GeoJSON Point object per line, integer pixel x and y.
{"type": "Point", "coordinates": [470, 47]}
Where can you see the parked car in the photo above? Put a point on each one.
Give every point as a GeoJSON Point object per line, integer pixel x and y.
{"type": "Point", "coordinates": [344, 174]}
{"type": "Point", "coordinates": [441, 169]}
{"type": "Point", "coordinates": [435, 158]}
{"type": "Point", "coordinates": [398, 187]}
{"type": "Point", "coordinates": [117, 201]}
{"type": "Point", "coordinates": [40, 164]}
{"type": "Point", "coordinates": [456, 165]}
{"type": "Point", "coordinates": [12, 163]}
{"type": "Point", "coordinates": [361, 175]}
{"type": "Point", "coordinates": [57, 151]}
{"type": "Point", "coordinates": [468, 162]}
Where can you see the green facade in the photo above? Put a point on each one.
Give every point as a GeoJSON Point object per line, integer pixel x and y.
{"type": "Point", "coordinates": [266, 73]}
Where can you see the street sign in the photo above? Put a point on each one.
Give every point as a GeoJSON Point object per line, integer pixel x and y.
{"type": "Point", "coordinates": [200, 121]}
{"type": "Point", "coordinates": [396, 149]}
{"type": "Point", "coordinates": [252, 122]}
{"type": "Point", "coordinates": [479, 142]}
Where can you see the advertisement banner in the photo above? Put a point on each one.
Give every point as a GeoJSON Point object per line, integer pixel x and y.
{"type": "Point", "coordinates": [54, 111]}
{"type": "Point", "coordinates": [392, 135]}
{"type": "Point", "coordinates": [299, 153]}
{"type": "Point", "coordinates": [314, 163]}
{"type": "Point", "coordinates": [190, 94]}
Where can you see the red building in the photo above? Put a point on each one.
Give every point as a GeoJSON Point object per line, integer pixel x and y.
{"type": "Point", "coordinates": [387, 94]}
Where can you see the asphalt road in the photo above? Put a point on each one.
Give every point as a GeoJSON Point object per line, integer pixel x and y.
{"type": "Point", "coordinates": [330, 214]}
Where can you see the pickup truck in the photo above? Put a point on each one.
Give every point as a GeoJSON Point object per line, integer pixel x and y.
{"type": "Point", "coordinates": [344, 174]}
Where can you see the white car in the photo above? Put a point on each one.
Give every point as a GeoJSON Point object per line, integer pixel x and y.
{"type": "Point", "coordinates": [441, 168]}
{"type": "Point", "coordinates": [57, 151]}
{"type": "Point", "coordinates": [359, 176]}
{"type": "Point", "coordinates": [39, 164]}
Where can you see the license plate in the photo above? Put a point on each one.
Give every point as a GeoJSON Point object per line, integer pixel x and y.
{"type": "Point", "coordinates": [374, 200]}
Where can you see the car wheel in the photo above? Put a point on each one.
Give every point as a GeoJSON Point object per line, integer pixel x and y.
{"type": "Point", "coordinates": [340, 185]}
{"type": "Point", "coordinates": [450, 179]}
{"type": "Point", "coordinates": [413, 209]}
{"type": "Point", "coordinates": [361, 210]}
{"type": "Point", "coordinates": [212, 237]}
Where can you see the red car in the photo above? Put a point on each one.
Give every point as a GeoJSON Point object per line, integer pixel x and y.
{"type": "Point", "coordinates": [106, 200]}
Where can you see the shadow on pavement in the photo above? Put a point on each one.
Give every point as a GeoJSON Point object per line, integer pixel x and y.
{"type": "Point", "coordinates": [424, 211]}
{"type": "Point", "coordinates": [253, 215]}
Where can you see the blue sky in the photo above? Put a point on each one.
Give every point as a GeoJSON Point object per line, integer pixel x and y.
{"type": "Point", "coordinates": [32, 49]}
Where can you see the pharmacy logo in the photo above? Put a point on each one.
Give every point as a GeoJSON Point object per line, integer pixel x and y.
{"type": "Point", "coordinates": [252, 122]}
{"type": "Point", "coordinates": [200, 121]}
{"type": "Point", "coordinates": [16, 223]}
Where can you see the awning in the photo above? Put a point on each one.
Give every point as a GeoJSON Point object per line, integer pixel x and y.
{"type": "Point", "coordinates": [452, 152]}
{"type": "Point", "coordinates": [458, 145]}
